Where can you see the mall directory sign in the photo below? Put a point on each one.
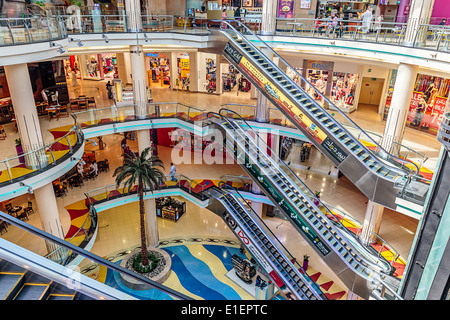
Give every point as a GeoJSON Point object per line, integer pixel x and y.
{"type": "Point", "coordinates": [283, 102]}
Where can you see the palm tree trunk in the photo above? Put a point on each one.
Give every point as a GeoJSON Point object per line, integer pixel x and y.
{"type": "Point", "coordinates": [144, 250]}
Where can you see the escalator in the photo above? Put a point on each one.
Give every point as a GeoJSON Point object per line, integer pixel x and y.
{"type": "Point", "coordinates": [381, 176]}
{"type": "Point", "coordinates": [263, 245]}
{"type": "Point", "coordinates": [355, 264]}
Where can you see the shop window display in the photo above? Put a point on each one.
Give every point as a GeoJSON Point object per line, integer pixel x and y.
{"type": "Point", "coordinates": [343, 90]}
{"type": "Point", "coordinates": [159, 71]}
{"type": "Point", "coordinates": [428, 103]}
{"type": "Point", "coordinates": [183, 80]}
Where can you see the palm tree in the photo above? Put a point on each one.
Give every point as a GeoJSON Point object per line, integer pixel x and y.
{"type": "Point", "coordinates": [143, 170]}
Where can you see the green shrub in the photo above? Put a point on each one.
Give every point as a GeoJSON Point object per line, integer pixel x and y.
{"type": "Point", "coordinates": [137, 263]}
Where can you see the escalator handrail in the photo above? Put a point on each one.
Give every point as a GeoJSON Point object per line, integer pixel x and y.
{"type": "Point", "coordinates": [279, 160]}
{"type": "Point", "coordinates": [363, 261]}
{"type": "Point", "coordinates": [223, 191]}
{"type": "Point", "coordinates": [273, 65]}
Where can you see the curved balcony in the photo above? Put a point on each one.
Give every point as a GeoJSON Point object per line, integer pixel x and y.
{"type": "Point", "coordinates": [33, 169]}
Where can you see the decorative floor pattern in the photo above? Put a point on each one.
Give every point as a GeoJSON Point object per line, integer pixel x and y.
{"type": "Point", "coordinates": [199, 267]}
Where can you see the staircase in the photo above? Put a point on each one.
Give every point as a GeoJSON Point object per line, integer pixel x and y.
{"type": "Point", "coordinates": [17, 283]}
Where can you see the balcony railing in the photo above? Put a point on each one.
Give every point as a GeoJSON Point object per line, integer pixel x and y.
{"type": "Point", "coordinates": [56, 26]}
{"type": "Point", "coordinates": [30, 30]}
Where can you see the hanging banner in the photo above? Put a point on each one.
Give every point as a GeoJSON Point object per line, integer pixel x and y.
{"type": "Point", "coordinates": [285, 9]}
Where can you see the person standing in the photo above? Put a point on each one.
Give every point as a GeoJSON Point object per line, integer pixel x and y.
{"type": "Point", "coordinates": [109, 89]}
{"type": "Point", "coordinates": [172, 171]}
{"type": "Point", "coordinates": [366, 18]}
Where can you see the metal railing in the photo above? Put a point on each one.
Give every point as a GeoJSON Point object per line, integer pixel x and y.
{"type": "Point", "coordinates": [155, 110]}
{"type": "Point", "coordinates": [113, 191]}
{"type": "Point", "coordinates": [14, 31]}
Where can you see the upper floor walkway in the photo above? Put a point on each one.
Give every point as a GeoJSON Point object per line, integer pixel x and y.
{"type": "Point", "coordinates": [47, 37]}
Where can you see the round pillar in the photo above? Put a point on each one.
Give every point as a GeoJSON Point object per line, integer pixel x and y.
{"type": "Point", "coordinates": [372, 222]}
{"type": "Point", "coordinates": [25, 111]}
{"type": "Point", "coordinates": [398, 111]}
{"type": "Point", "coordinates": [50, 220]}
{"type": "Point", "coordinates": [419, 13]}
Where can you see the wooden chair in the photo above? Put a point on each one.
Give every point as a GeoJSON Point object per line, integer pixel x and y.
{"type": "Point", "coordinates": [23, 216]}
{"type": "Point", "coordinates": [82, 104]}
{"type": "Point", "coordinates": [91, 103]}
{"type": "Point", "coordinates": [8, 207]}
{"type": "Point", "coordinates": [73, 105]}
{"type": "Point", "coordinates": [63, 112]}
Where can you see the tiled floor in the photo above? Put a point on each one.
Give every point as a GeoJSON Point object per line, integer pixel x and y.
{"type": "Point", "coordinates": [119, 229]}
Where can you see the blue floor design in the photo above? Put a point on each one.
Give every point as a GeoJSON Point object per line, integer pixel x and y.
{"type": "Point", "coordinates": [194, 275]}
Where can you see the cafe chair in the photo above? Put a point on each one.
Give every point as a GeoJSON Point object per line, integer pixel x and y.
{"type": "Point", "coordinates": [82, 104]}
{"type": "Point", "coordinates": [91, 103]}
{"type": "Point", "coordinates": [3, 227]}
{"type": "Point", "coordinates": [8, 208]}
{"type": "Point", "coordinates": [73, 105]}
{"type": "Point", "coordinates": [63, 112]}
{"type": "Point", "coordinates": [103, 165]}
{"type": "Point", "coordinates": [28, 210]}
{"type": "Point", "coordinates": [23, 216]}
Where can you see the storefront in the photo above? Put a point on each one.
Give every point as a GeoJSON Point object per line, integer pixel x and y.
{"type": "Point", "coordinates": [158, 69]}
{"type": "Point", "coordinates": [428, 102]}
{"type": "Point", "coordinates": [343, 90]}
{"type": "Point", "coordinates": [183, 72]}
{"type": "Point", "coordinates": [102, 66]}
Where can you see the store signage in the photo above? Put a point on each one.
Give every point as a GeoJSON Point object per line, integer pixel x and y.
{"type": "Point", "coordinates": [318, 65]}
{"type": "Point", "coordinates": [438, 112]}
{"type": "Point", "coordinates": [285, 8]}
{"type": "Point", "coordinates": [415, 100]}
{"type": "Point", "coordinates": [334, 150]}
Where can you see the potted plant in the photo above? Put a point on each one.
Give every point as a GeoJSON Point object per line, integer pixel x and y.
{"type": "Point", "coordinates": [19, 150]}
{"type": "Point", "coordinates": [145, 171]}
{"type": "Point", "coordinates": [305, 261]}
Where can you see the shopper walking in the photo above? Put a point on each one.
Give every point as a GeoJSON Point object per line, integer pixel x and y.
{"type": "Point", "coordinates": [172, 171]}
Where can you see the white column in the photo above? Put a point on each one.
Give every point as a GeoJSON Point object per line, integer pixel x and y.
{"type": "Point", "coordinates": [139, 80]}
{"type": "Point", "coordinates": [398, 111]}
{"type": "Point", "coordinates": [372, 222]}
{"type": "Point", "coordinates": [173, 70]}
{"type": "Point", "coordinates": [25, 111]}
{"type": "Point", "coordinates": [193, 72]}
{"type": "Point", "coordinates": [258, 208]}
{"type": "Point", "coordinates": [49, 214]}
{"type": "Point", "coordinates": [219, 82]}
{"type": "Point", "coordinates": [419, 13]}
{"type": "Point", "coordinates": [269, 14]}
{"type": "Point", "coordinates": [151, 223]}
{"type": "Point", "coordinates": [144, 139]}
